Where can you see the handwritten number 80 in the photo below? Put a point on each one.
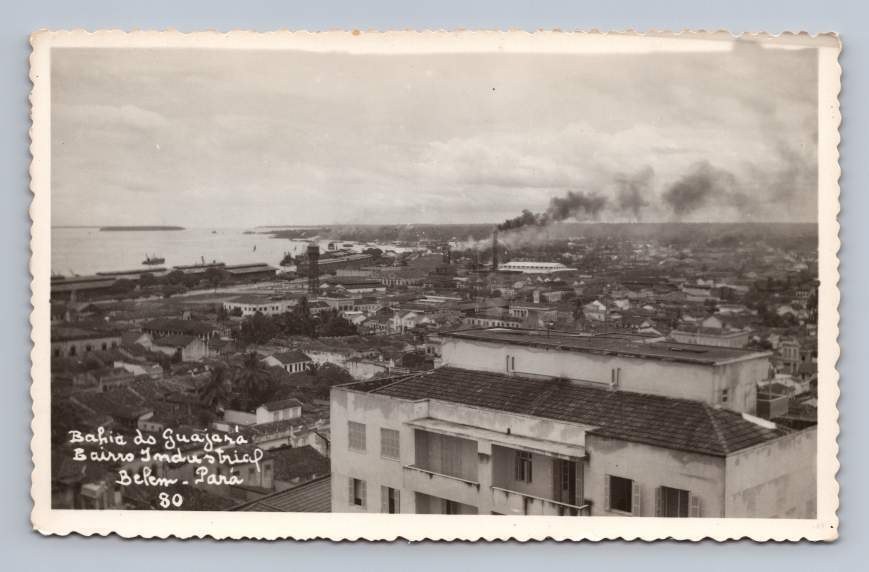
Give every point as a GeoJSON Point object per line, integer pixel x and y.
{"type": "Point", "coordinates": [166, 501]}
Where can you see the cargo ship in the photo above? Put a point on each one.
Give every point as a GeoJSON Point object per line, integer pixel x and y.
{"type": "Point", "coordinates": [153, 260]}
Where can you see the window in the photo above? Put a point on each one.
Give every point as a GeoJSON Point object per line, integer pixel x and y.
{"type": "Point", "coordinates": [451, 507]}
{"type": "Point", "coordinates": [389, 500]}
{"type": "Point", "coordinates": [357, 435]}
{"type": "Point", "coordinates": [523, 466]}
{"type": "Point", "coordinates": [725, 395]}
{"type": "Point", "coordinates": [621, 494]}
{"type": "Point", "coordinates": [676, 503]}
{"type": "Point", "coordinates": [357, 492]}
{"type": "Point", "coordinates": [389, 443]}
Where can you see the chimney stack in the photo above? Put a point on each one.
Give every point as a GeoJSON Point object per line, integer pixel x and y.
{"type": "Point", "coordinates": [495, 250]}
{"type": "Point", "coordinates": [313, 269]}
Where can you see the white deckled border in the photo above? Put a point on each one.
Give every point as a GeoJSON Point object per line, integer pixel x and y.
{"type": "Point", "coordinates": [307, 526]}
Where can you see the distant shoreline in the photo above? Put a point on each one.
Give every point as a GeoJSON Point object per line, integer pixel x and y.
{"type": "Point", "coordinates": [133, 228]}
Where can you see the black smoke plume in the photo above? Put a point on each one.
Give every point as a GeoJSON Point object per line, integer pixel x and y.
{"type": "Point", "coordinates": [633, 190]}
{"type": "Point", "coordinates": [704, 184]}
{"type": "Point", "coordinates": [572, 205]}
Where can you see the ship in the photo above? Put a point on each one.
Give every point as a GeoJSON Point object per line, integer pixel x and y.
{"type": "Point", "coordinates": [153, 260]}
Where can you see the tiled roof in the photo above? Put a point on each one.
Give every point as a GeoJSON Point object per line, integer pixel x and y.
{"type": "Point", "coordinates": [298, 463]}
{"type": "Point", "coordinates": [291, 356]}
{"type": "Point", "coordinates": [313, 496]}
{"type": "Point", "coordinates": [282, 404]}
{"type": "Point", "coordinates": [175, 341]}
{"type": "Point", "coordinates": [174, 325]}
{"type": "Point", "coordinates": [654, 420]}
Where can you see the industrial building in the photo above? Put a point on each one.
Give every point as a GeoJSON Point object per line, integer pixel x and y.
{"type": "Point", "coordinates": [530, 267]}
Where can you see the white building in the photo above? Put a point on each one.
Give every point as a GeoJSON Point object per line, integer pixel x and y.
{"type": "Point", "coordinates": [531, 267]}
{"type": "Point", "coordinates": [278, 411]}
{"type": "Point", "coordinates": [522, 422]}
{"type": "Point", "coordinates": [268, 306]}
{"type": "Point", "coordinates": [718, 376]}
{"type": "Point", "coordinates": [291, 361]}
{"type": "Point", "coordinates": [456, 441]}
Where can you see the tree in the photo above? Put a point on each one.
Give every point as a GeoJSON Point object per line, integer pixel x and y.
{"type": "Point", "coordinates": [123, 286]}
{"type": "Point", "coordinates": [257, 329]}
{"type": "Point", "coordinates": [216, 392]}
{"type": "Point", "coordinates": [175, 277]}
{"type": "Point", "coordinates": [335, 325]}
{"type": "Point", "coordinates": [147, 279]}
{"type": "Point", "coordinates": [299, 322]}
{"type": "Point", "coordinates": [215, 276]}
{"type": "Point", "coordinates": [255, 381]}
{"type": "Point", "coordinates": [414, 360]}
{"type": "Point", "coordinates": [328, 375]}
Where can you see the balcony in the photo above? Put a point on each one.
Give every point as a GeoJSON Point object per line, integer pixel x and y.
{"type": "Point", "coordinates": [435, 484]}
{"type": "Point", "coordinates": [505, 501]}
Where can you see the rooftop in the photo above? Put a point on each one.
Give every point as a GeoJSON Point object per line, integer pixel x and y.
{"type": "Point", "coordinates": [653, 420]}
{"type": "Point", "coordinates": [313, 496]}
{"type": "Point", "coordinates": [68, 334]}
{"type": "Point", "coordinates": [177, 325]}
{"type": "Point", "coordinates": [291, 356]}
{"type": "Point", "coordinates": [564, 341]}
{"type": "Point", "coordinates": [282, 404]}
{"type": "Point", "coordinates": [302, 463]}
{"type": "Point", "coordinates": [175, 341]}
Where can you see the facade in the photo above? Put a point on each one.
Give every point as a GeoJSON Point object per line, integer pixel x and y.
{"type": "Point", "coordinates": [278, 411]}
{"type": "Point", "coordinates": [250, 305]}
{"type": "Point", "coordinates": [73, 341]}
{"type": "Point", "coordinates": [711, 337]}
{"type": "Point", "coordinates": [456, 441]}
{"type": "Point", "coordinates": [167, 327]}
{"type": "Point", "coordinates": [721, 377]}
{"type": "Point", "coordinates": [189, 348]}
{"type": "Point", "coordinates": [482, 320]}
{"type": "Point", "coordinates": [530, 267]}
{"type": "Point", "coordinates": [292, 361]}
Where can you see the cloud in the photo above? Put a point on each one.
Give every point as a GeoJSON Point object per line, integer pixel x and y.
{"type": "Point", "coordinates": [294, 138]}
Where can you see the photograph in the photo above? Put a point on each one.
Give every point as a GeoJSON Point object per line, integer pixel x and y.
{"type": "Point", "coordinates": [390, 276]}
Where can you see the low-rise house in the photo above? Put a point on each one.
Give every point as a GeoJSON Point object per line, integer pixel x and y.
{"type": "Point", "coordinates": [312, 496]}
{"type": "Point", "coordinates": [111, 378]}
{"type": "Point", "coordinates": [278, 411]}
{"type": "Point", "coordinates": [167, 327]}
{"type": "Point", "coordinates": [296, 465]}
{"type": "Point", "coordinates": [251, 304]}
{"type": "Point", "coordinates": [187, 347]}
{"type": "Point", "coordinates": [595, 311]}
{"type": "Point", "coordinates": [76, 341]}
{"type": "Point", "coordinates": [403, 321]}
{"type": "Point", "coordinates": [291, 361]}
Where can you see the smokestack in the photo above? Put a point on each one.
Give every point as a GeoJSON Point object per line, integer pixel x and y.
{"type": "Point", "coordinates": [313, 269]}
{"type": "Point", "coordinates": [495, 250]}
{"type": "Point", "coordinates": [447, 254]}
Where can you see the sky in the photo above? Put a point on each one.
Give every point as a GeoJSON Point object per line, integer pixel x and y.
{"type": "Point", "coordinates": [217, 138]}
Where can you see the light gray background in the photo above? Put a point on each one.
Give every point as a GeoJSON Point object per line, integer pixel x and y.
{"type": "Point", "coordinates": [25, 550]}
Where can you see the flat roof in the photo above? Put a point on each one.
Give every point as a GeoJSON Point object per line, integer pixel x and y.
{"type": "Point", "coordinates": [667, 422]}
{"type": "Point", "coordinates": [564, 341]}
